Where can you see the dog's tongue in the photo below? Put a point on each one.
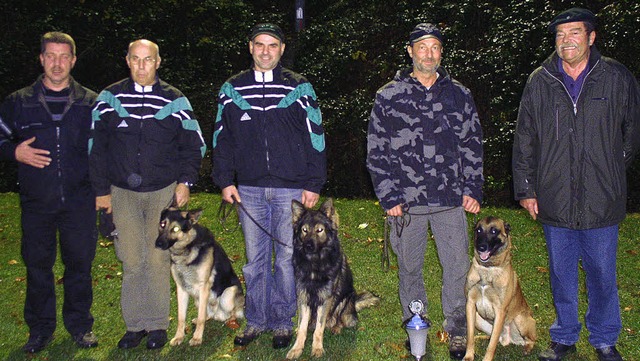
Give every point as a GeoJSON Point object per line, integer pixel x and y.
{"type": "Point", "coordinates": [484, 256]}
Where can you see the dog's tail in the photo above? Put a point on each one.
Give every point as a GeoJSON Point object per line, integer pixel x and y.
{"type": "Point", "coordinates": [366, 299]}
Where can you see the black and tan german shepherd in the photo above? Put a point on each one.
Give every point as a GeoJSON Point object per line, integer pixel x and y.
{"type": "Point", "coordinates": [200, 269]}
{"type": "Point", "coordinates": [324, 282]}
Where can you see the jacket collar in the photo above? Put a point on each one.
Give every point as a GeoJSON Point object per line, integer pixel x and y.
{"type": "Point", "coordinates": [404, 75]}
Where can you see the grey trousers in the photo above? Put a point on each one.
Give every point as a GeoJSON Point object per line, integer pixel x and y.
{"type": "Point", "coordinates": [449, 228]}
{"type": "Point", "coordinates": [146, 290]}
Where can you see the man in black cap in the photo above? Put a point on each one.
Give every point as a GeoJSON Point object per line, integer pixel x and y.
{"type": "Point", "coordinates": [425, 159]}
{"type": "Point", "coordinates": [577, 131]}
{"type": "Point", "coordinates": [268, 139]}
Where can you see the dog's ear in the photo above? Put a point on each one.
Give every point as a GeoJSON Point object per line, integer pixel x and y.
{"type": "Point", "coordinates": [194, 215]}
{"type": "Point", "coordinates": [507, 228]}
{"type": "Point", "coordinates": [329, 210]}
{"type": "Point", "coordinates": [297, 209]}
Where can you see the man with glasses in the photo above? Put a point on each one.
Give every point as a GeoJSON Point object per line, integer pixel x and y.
{"type": "Point", "coordinates": [46, 131]}
{"type": "Point", "coordinates": [577, 131]}
{"type": "Point", "coordinates": [145, 154]}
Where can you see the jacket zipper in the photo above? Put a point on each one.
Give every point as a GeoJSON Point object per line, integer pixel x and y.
{"type": "Point", "coordinates": [264, 121]}
{"type": "Point", "coordinates": [575, 104]}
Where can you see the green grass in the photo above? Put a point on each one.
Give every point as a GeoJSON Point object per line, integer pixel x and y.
{"type": "Point", "coordinates": [379, 335]}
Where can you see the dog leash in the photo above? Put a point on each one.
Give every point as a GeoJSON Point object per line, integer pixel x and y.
{"type": "Point", "coordinates": [400, 222]}
{"type": "Point", "coordinates": [223, 214]}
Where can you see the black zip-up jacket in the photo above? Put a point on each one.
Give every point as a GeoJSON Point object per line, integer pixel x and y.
{"type": "Point", "coordinates": [144, 138]}
{"type": "Point", "coordinates": [268, 132]}
{"type": "Point", "coordinates": [65, 182]}
{"type": "Point", "coordinates": [572, 157]}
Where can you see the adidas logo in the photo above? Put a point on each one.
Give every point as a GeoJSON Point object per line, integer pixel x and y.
{"type": "Point", "coordinates": [245, 117]}
{"type": "Point", "coordinates": [123, 124]}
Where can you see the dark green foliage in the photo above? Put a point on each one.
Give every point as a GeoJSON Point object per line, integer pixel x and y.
{"type": "Point", "coordinates": [348, 50]}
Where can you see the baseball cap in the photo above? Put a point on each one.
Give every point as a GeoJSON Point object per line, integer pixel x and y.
{"type": "Point", "coordinates": [267, 28]}
{"type": "Point", "coordinates": [423, 31]}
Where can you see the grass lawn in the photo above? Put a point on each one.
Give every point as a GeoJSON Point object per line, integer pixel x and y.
{"type": "Point", "coordinates": [379, 335]}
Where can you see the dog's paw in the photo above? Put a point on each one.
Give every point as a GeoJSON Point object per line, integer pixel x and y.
{"type": "Point", "coordinates": [195, 342]}
{"type": "Point", "coordinates": [317, 351]}
{"type": "Point", "coordinates": [176, 341]}
{"type": "Point", "coordinates": [468, 357]}
{"type": "Point", "coordinates": [294, 353]}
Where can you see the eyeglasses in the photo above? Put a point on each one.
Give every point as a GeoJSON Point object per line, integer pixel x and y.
{"type": "Point", "coordinates": [146, 60]}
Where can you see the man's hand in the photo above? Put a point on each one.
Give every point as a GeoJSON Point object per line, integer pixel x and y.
{"type": "Point", "coordinates": [103, 202]}
{"type": "Point", "coordinates": [229, 193]}
{"type": "Point", "coordinates": [470, 204]}
{"type": "Point", "coordinates": [32, 156]}
{"type": "Point", "coordinates": [395, 211]}
{"type": "Point", "coordinates": [181, 196]}
{"type": "Point", "coordinates": [309, 199]}
{"type": "Point", "coordinates": [531, 205]}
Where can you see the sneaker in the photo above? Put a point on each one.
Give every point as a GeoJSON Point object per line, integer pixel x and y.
{"type": "Point", "coordinates": [36, 343]}
{"type": "Point", "coordinates": [86, 339]}
{"type": "Point", "coordinates": [156, 339]}
{"type": "Point", "coordinates": [556, 351]}
{"type": "Point", "coordinates": [131, 339]}
{"type": "Point", "coordinates": [249, 334]}
{"type": "Point", "coordinates": [281, 338]}
{"type": "Point", "coordinates": [608, 354]}
{"type": "Point", "coordinates": [457, 347]}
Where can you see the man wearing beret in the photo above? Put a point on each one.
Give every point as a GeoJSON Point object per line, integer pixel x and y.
{"type": "Point", "coordinates": [425, 159]}
{"type": "Point", "coordinates": [577, 131]}
{"type": "Point", "coordinates": [268, 139]}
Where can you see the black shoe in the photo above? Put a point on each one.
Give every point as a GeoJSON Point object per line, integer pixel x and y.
{"type": "Point", "coordinates": [556, 351]}
{"type": "Point", "coordinates": [156, 339]}
{"type": "Point", "coordinates": [608, 354]}
{"type": "Point", "coordinates": [281, 338]}
{"type": "Point", "coordinates": [36, 343]}
{"type": "Point", "coordinates": [457, 347]}
{"type": "Point", "coordinates": [131, 339]}
{"type": "Point", "coordinates": [86, 340]}
{"type": "Point", "coordinates": [407, 344]}
{"type": "Point", "coordinates": [249, 334]}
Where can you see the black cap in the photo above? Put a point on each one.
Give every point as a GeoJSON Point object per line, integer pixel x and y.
{"type": "Point", "coordinates": [423, 31]}
{"type": "Point", "coordinates": [267, 28]}
{"type": "Point", "coordinates": [573, 15]}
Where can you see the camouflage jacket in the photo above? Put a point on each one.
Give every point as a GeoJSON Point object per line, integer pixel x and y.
{"type": "Point", "coordinates": [424, 145]}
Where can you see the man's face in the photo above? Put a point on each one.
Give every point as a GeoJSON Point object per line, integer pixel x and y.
{"type": "Point", "coordinates": [57, 62]}
{"type": "Point", "coordinates": [266, 52]}
{"type": "Point", "coordinates": [572, 42]}
{"type": "Point", "coordinates": [426, 55]}
{"type": "Point", "coordinates": [143, 61]}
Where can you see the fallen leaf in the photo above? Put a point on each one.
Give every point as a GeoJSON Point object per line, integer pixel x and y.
{"type": "Point", "coordinates": [60, 281]}
{"type": "Point", "coordinates": [232, 324]}
{"type": "Point", "coordinates": [632, 252]}
{"type": "Point", "coordinates": [443, 336]}
{"type": "Point", "coordinates": [13, 261]}
{"type": "Point", "coordinates": [627, 309]}
{"type": "Point", "coordinates": [20, 279]}
{"type": "Point", "coordinates": [542, 269]}
{"type": "Point", "coordinates": [363, 225]}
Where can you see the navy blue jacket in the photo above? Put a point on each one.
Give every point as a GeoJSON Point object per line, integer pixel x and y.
{"type": "Point", "coordinates": [268, 132]}
{"type": "Point", "coordinates": [65, 182]}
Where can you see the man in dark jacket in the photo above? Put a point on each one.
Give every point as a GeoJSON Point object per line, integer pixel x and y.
{"type": "Point", "coordinates": [46, 131]}
{"type": "Point", "coordinates": [425, 159]}
{"type": "Point", "coordinates": [577, 130]}
{"type": "Point", "coordinates": [146, 152]}
{"type": "Point", "coordinates": [268, 137]}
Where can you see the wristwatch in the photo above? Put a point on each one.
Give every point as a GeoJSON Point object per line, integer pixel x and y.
{"type": "Point", "coordinates": [187, 184]}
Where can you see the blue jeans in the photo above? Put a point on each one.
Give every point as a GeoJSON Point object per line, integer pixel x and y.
{"type": "Point", "coordinates": [271, 290]}
{"type": "Point", "coordinates": [597, 248]}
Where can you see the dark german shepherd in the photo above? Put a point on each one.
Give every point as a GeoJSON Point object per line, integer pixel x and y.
{"type": "Point", "coordinates": [324, 282]}
{"type": "Point", "coordinates": [200, 269]}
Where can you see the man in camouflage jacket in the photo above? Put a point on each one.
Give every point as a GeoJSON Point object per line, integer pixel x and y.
{"type": "Point", "coordinates": [425, 160]}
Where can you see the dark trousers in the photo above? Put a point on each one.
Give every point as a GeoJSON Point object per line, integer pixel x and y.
{"type": "Point", "coordinates": [78, 236]}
